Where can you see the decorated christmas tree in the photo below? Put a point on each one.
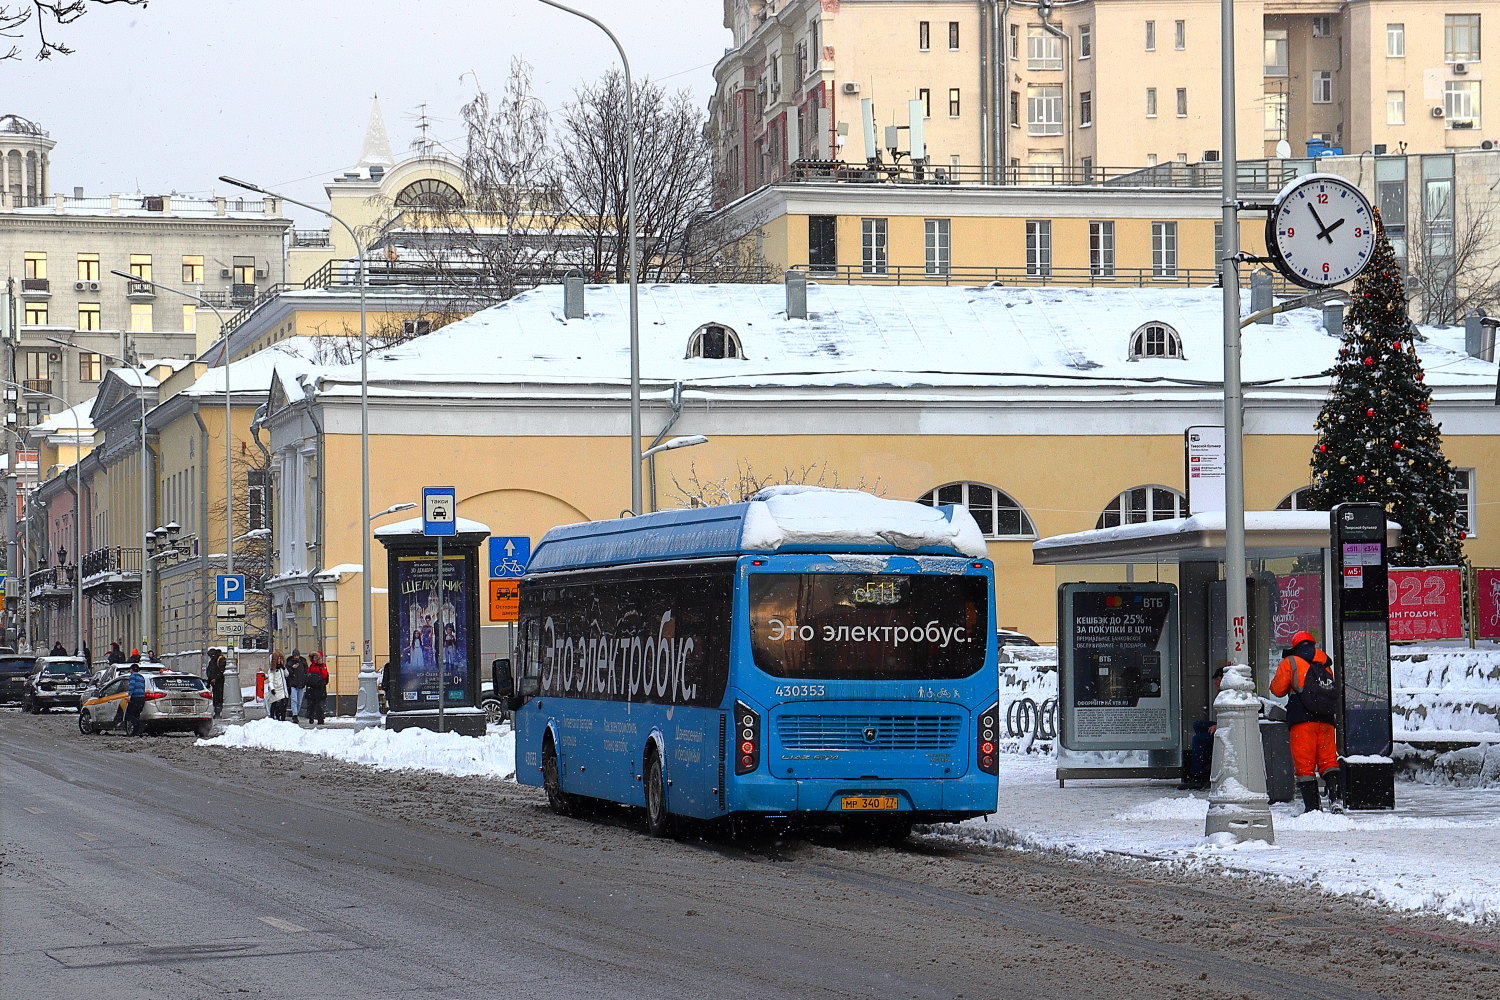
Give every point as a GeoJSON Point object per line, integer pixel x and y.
{"type": "Point", "coordinates": [1377, 440]}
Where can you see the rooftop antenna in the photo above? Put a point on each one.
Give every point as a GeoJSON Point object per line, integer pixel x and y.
{"type": "Point", "coordinates": [423, 143]}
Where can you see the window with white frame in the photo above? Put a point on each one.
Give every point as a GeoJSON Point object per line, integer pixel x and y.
{"type": "Point", "coordinates": [938, 246]}
{"type": "Point", "coordinates": [1150, 36]}
{"type": "Point", "coordinates": [1163, 249]}
{"type": "Point", "coordinates": [715, 342]}
{"type": "Point", "coordinates": [1150, 102]}
{"type": "Point", "coordinates": [873, 251]}
{"type": "Point", "coordinates": [1460, 38]}
{"type": "Point", "coordinates": [1395, 41]}
{"type": "Point", "coordinates": [1297, 500]}
{"type": "Point", "coordinates": [1039, 247]}
{"type": "Point", "coordinates": [1085, 41]}
{"type": "Point", "coordinates": [953, 102]}
{"type": "Point", "coordinates": [924, 36]}
{"type": "Point", "coordinates": [1461, 103]}
{"type": "Point", "coordinates": [1322, 91]}
{"type": "Point", "coordinates": [1155, 340]}
{"type": "Point", "coordinates": [1181, 102]}
{"type": "Point", "coordinates": [1467, 508]}
{"type": "Point", "coordinates": [953, 36]}
{"type": "Point", "coordinates": [1044, 110]}
{"type": "Point", "coordinates": [1102, 248]}
{"type": "Point", "coordinates": [1141, 505]}
{"type": "Point", "coordinates": [996, 513]}
{"type": "Point", "coordinates": [1043, 49]}
{"type": "Point", "coordinates": [1395, 107]}
{"type": "Point", "coordinates": [1085, 108]}
{"type": "Point", "coordinates": [1276, 52]}
{"type": "Point", "coordinates": [1179, 35]}
{"type": "Point", "coordinates": [1322, 26]}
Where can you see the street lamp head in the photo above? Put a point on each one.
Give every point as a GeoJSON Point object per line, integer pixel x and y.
{"type": "Point", "coordinates": [172, 528]}
{"type": "Point", "coordinates": [675, 443]}
{"type": "Point", "coordinates": [242, 184]}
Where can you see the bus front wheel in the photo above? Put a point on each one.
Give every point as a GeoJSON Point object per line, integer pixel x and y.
{"type": "Point", "coordinates": [561, 802]}
{"type": "Point", "coordinates": [658, 819]}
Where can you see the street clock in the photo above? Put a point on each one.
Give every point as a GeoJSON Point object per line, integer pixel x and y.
{"type": "Point", "coordinates": [1320, 232]}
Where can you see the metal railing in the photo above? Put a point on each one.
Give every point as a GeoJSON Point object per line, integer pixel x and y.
{"type": "Point", "coordinates": [112, 561]}
{"type": "Point", "coordinates": [311, 238]}
{"type": "Point", "coordinates": [52, 578]}
{"type": "Point", "coordinates": [1253, 175]}
{"type": "Point", "coordinates": [1021, 276]}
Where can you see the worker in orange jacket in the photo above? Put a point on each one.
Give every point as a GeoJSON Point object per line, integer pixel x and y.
{"type": "Point", "coordinates": [1306, 675]}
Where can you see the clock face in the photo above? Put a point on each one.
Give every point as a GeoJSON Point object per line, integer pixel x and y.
{"type": "Point", "coordinates": [1321, 232]}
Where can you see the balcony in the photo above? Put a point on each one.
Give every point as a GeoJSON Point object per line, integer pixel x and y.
{"type": "Point", "coordinates": [40, 385]}
{"type": "Point", "coordinates": [53, 584]}
{"type": "Point", "coordinates": [140, 291]}
{"type": "Point", "coordinates": [112, 575]}
{"type": "Point", "coordinates": [36, 288]}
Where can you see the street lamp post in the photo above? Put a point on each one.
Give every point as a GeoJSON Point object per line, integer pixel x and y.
{"type": "Point", "coordinates": [669, 445]}
{"type": "Point", "coordinates": [234, 699]}
{"type": "Point", "coordinates": [77, 516]}
{"type": "Point", "coordinates": [630, 235]}
{"type": "Point", "coordinates": [367, 711]}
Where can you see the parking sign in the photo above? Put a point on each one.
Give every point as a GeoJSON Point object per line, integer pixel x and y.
{"type": "Point", "coordinates": [229, 587]}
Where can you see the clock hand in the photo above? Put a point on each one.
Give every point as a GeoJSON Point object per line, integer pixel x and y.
{"type": "Point", "coordinates": [1330, 229]}
{"type": "Point", "coordinates": [1316, 219]}
{"type": "Point", "coordinates": [1323, 230]}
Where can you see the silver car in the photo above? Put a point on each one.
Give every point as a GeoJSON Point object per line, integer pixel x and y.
{"type": "Point", "coordinates": [56, 682]}
{"type": "Point", "coordinates": [174, 703]}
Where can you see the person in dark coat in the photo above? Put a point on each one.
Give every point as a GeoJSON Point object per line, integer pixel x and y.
{"type": "Point", "coordinates": [136, 702]}
{"type": "Point", "coordinates": [218, 663]}
{"type": "Point", "coordinates": [58, 649]}
{"type": "Point", "coordinates": [116, 654]}
{"type": "Point", "coordinates": [388, 684]}
{"type": "Point", "coordinates": [296, 678]}
{"type": "Point", "coordinates": [316, 691]}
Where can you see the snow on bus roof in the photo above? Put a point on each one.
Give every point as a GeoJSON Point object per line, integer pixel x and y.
{"type": "Point", "coordinates": [809, 515]}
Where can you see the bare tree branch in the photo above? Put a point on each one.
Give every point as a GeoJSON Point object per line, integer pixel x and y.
{"type": "Point", "coordinates": [14, 17]}
{"type": "Point", "coordinates": [696, 491]}
{"type": "Point", "coordinates": [1454, 269]}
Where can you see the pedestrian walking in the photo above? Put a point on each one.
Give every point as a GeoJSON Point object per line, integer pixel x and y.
{"type": "Point", "coordinates": [1305, 677]}
{"type": "Point", "coordinates": [218, 664]}
{"type": "Point", "coordinates": [116, 654]}
{"type": "Point", "coordinates": [278, 694]}
{"type": "Point", "coordinates": [296, 678]}
{"type": "Point", "coordinates": [58, 649]}
{"type": "Point", "coordinates": [316, 692]}
{"type": "Point", "coordinates": [388, 684]}
{"type": "Point", "coordinates": [136, 689]}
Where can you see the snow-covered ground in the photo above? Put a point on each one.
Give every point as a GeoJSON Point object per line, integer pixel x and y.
{"type": "Point", "coordinates": [1437, 852]}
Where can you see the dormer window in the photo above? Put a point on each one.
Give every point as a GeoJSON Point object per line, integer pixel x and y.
{"type": "Point", "coordinates": [715, 341]}
{"type": "Point", "coordinates": [1155, 340]}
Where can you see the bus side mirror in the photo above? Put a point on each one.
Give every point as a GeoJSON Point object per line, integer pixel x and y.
{"type": "Point", "coordinates": [500, 677]}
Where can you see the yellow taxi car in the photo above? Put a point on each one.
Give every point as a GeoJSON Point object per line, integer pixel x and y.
{"type": "Point", "coordinates": [174, 703]}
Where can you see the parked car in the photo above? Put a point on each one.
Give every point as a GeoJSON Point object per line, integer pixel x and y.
{"type": "Point", "coordinates": [56, 682]}
{"type": "Point", "coordinates": [1007, 637]}
{"type": "Point", "coordinates": [112, 670]}
{"type": "Point", "coordinates": [14, 669]}
{"type": "Point", "coordinates": [174, 703]}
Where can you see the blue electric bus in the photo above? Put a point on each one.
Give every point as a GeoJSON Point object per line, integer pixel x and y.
{"type": "Point", "coordinates": [813, 655]}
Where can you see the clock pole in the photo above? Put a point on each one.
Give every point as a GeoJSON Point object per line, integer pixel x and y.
{"type": "Point", "coordinates": [1237, 803]}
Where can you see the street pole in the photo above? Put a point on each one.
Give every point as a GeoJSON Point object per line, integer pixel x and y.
{"type": "Point", "coordinates": [1237, 801]}
{"type": "Point", "coordinates": [234, 701]}
{"type": "Point", "coordinates": [630, 232]}
{"type": "Point", "coordinates": [367, 706]}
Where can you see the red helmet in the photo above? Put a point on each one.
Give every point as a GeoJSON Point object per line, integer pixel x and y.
{"type": "Point", "coordinates": [1302, 637]}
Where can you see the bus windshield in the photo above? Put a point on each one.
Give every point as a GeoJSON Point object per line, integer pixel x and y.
{"type": "Point", "coordinates": [846, 626]}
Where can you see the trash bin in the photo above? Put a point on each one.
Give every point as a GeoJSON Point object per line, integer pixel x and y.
{"type": "Point", "coordinates": [260, 685]}
{"type": "Point", "coordinates": [1276, 746]}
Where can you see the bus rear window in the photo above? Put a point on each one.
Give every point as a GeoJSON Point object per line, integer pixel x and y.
{"type": "Point", "coordinates": [840, 626]}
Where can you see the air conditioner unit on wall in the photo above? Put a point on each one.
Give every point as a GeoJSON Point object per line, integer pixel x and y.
{"type": "Point", "coordinates": [77, 286]}
{"type": "Point", "coordinates": [225, 272]}
{"type": "Point", "coordinates": [261, 272]}
{"type": "Point", "coordinates": [54, 356]}
{"type": "Point", "coordinates": [851, 88]}
{"type": "Point", "coordinates": [93, 286]}
{"type": "Point", "coordinates": [1460, 67]}
{"type": "Point", "coordinates": [1437, 112]}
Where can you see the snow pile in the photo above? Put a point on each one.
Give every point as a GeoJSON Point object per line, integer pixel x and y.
{"type": "Point", "coordinates": [1445, 693]}
{"type": "Point", "coordinates": [493, 755]}
{"type": "Point", "coordinates": [809, 516]}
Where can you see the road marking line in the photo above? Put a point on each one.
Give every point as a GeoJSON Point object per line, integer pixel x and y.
{"type": "Point", "coordinates": [89, 836]}
{"type": "Point", "coordinates": [282, 925]}
{"type": "Point", "coordinates": [34, 810]}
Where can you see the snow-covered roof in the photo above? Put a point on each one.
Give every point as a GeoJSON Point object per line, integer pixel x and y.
{"type": "Point", "coordinates": [75, 419]}
{"type": "Point", "coordinates": [284, 360]}
{"type": "Point", "coordinates": [877, 337]}
{"type": "Point", "coordinates": [799, 516]}
{"type": "Point", "coordinates": [416, 526]}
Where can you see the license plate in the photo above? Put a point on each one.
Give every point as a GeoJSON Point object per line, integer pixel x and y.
{"type": "Point", "coordinates": [869, 802]}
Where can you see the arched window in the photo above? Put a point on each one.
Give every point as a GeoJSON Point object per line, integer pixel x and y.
{"type": "Point", "coordinates": [997, 514]}
{"type": "Point", "coordinates": [716, 341]}
{"type": "Point", "coordinates": [428, 192]}
{"type": "Point", "coordinates": [1142, 504]}
{"type": "Point", "coordinates": [1297, 500]}
{"type": "Point", "coordinates": [1155, 340]}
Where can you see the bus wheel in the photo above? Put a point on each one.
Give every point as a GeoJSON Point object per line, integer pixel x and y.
{"type": "Point", "coordinates": [561, 802]}
{"type": "Point", "coordinates": [658, 818]}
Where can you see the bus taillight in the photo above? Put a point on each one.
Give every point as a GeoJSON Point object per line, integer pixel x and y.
{"type": "Point", "coordinates": [747, 738]}
{"type": "Point", "coordinates": [988, 739]}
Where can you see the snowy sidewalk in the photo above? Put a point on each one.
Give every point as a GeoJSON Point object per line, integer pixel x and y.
{"type": "Point", "coordinates": [1437, 852]}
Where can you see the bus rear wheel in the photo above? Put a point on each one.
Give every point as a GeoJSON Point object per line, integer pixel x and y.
{"type": "Point", "coordinates": [561, 802]}
{"type": "Point", "coordinates": [658, 818]}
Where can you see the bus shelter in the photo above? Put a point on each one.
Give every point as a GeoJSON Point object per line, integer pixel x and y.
{"type": "Point", "coordinates": [1141, 628]}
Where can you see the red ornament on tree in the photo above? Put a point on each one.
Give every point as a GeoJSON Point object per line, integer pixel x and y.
{"type": "Point", "coordinates": [1369, 413]}
{"type": "Point", "coordinates": [1421, 406]}
{"type": "Point", "coordinates": [1369, 361]}
{"type": "Point", "coordinates": [1421, 376]}
{"type": "Point", "coordinates": [1359, 479]}
{"type": "Point", "coordinates": [1396, 345]}
{"type": "Point", "coordinates": [1396, 444]}
{"type": "Point", "coordinates": [1322, 447]}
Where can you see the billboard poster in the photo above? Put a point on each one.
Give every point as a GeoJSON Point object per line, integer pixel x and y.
{"type": "Point", "coordinates": [1297, 606]}
{"type": "Point", "coordinates": [1205, 468]}
{"type": "Point", "coordinates": [433, 630]}
{"type": "Point", "coordinates": [1426, 604]}
{"type": "Point", "coordinates": [1118, 671]}
{"type": "Point", "coordinates": [1487, 598]}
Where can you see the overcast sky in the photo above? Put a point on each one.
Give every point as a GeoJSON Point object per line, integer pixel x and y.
{"type": "Point", "coordinates": [169, 97]}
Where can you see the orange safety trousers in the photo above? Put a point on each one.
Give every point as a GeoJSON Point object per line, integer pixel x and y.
{"type": "Point", "coordinates": [1313, 748]}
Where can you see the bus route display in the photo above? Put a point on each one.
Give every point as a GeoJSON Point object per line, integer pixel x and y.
{"type": "Point", "coordinates": [1118, 667]}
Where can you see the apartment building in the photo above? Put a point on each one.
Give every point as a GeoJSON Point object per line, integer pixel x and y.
{"type": "Point", "coordinates": [76, 319]}
{"type": "Point", "coordinates": [986, 92]}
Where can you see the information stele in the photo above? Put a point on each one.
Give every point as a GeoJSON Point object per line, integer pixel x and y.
{"type": "Point", "coordinates": [505, 600]}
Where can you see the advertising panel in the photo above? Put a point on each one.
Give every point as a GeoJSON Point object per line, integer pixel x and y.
{"type": "Point", "coordinates": [1487, 596]}
{"type": "Point", "coordinates": [1426, 604]}
{"type": "Point", "coordinates": [433, 629]}
{"type": "Point", "coordinates": [1118, 672]}
{"type": "Point", "coordinates": [1297, 607]}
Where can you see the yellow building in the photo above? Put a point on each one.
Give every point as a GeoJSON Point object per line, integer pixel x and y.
{"type": "Point", "coordinates": [1044, 410]}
